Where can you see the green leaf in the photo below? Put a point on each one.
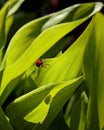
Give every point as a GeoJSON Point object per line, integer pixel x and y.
{"type": "Point", "coordinates": [49, 101]}
{"type": "Point", "coordinates": [4, 123]}
{"type": "Point", "coordinates": [94, 76]}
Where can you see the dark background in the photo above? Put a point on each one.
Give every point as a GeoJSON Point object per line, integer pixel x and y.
{"type": "Point", "coordinates": [43, 7]}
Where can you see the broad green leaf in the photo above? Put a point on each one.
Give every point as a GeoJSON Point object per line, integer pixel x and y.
{"type": "Point", "coordinates": [49, 100]}
{"type": "Point", "coordinates": [94, 76]}
{"type": "Point", "coordinates": [4, 123]}
{"type": "Point", "coordinates": [78, 115]}
{"type": "Point", "coordinates": [16, 58]}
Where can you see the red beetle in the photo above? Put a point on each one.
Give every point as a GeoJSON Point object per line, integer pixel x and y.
{"type": "Point", "coordinates": [39, 63]}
